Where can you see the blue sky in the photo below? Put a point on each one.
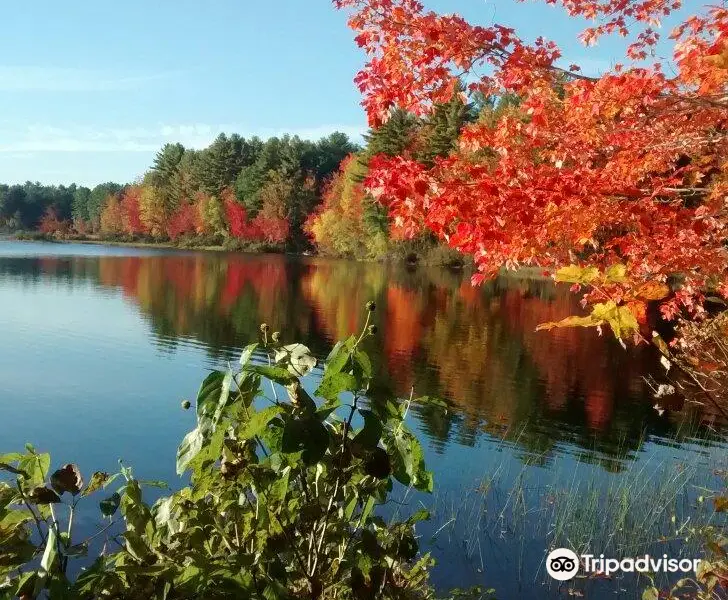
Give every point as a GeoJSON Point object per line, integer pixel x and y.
{"type": "Point", "coordinates": [90, 90]}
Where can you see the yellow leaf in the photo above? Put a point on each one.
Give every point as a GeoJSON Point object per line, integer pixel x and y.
{"type": "Point", "coordinates": [604, 311]}
{"type": "Point", "coordinates": [569, 322]}
{"type": "Point", "coordinates": [627, 320]}
{"type": "Point", "coordinates": [620, 318]}
{"type": "Point", "coordinates": [577, 274]}
{"type": "Point", "coordinates": [615, 274]}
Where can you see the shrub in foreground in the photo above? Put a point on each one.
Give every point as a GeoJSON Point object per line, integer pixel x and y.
{"type": "Point", "coordinates": [282, 499]}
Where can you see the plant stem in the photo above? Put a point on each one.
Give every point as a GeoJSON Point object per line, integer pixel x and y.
{"type": "Point", "coordinates": [31, 511]}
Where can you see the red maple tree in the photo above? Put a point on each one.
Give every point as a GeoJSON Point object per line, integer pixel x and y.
{"type": "Point", "coordinates": [131, 214]}
{"type": "Point", "coordinates": [50, 223]}
{"type": "Point", "coordinates": [622, 178]}
{"type": "Point", "coordinates": [237, 218]}
{"type": "Point", "coordinates": [183, 221]}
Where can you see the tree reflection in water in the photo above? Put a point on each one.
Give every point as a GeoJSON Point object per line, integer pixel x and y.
{"type": "Point", "coordinates": [475, 347]}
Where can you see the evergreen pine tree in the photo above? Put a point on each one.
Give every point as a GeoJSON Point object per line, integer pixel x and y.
{"type": "Point", "coordinates": [79, 207]}
{"type": "Point", "coordinates": [164, 172]}
{"type": "Point", "coordinates": [217, 168]}
{"type": "Point", "coordinates": [166, 163]}
{"type": "Point", "coordinates": [393, 137]}
{"type": "Point", "coordinates": [442, 129]}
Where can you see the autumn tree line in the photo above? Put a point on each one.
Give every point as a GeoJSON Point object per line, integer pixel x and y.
{"type": "Point", "coordinates": [350, 222]}
{"type": "Point", "coordinates": [235, 190]}
{"type": "Point", "coordinates": [243, 193]}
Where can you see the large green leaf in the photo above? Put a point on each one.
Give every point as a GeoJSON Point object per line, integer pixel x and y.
{"type": "Point", "coordinates": [409, 460]}
{"type": "Point", "coordinates": [189, 448]}
{"type": "Point", "coordinates": [615, 273]}
{"type": "Point", "coordinates": [46, 562]}
{"type": "Point", "coordinates": [9, 520]}
{"type": "Point", "coordinates": [259, 421]}
{"type": "Point", "coordinates": [279, 488]}
{"type": "Point", "coordinates": [277, 374]}
{"type": "Point", "coordinates": [247, 354]}
{"type": "Point", "coordinates": [364, 365]}
{"type": "Point", "coordinates": [136, 513]}
{"type": "Point", "coordinates": [334, 384]}
{"type": "Point", "coordinates": [248, 387]}
{"type": "Point", "coordinates": [351, 504]}
{"type": "Point", "coordinates": [26, 584]}
{"type": "Point", "coordinates": [577, 274]}
{"type": "Point", "coordinates": [135, 545]}
{"type": "Point", "coordinates": [10, 458]}
{"type": "Point", "coordinates": [367, 510]}
{"type": "Point", "coordinates": [272, 436]}
{"type": "Point", "coordinates": [88, 578]}
{"type": "Point", "coordinates": [339, 356]}
{"type": "Point", "coordinates": [188, 574]}
{"type": "Point", "coordinates": [620, 318]}
{"type": "Point", "coordinates": [36, 466]}
{"type": "Point", "coordinates": [213, 396]}
{"type": "Point", "coordinates": [110, 505]}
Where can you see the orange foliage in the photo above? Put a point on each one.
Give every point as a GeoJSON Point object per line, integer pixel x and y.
{"type": "Point", "coordinates": [131, 213]}
{"type": "Point", "coordinates": [336, 226]}
{"type": "Point", "coordinates": [628, 167]}
{"type": "Point", "coordinates": [112, 217]}
{"type": "Point", "coordinates": [50, 223]}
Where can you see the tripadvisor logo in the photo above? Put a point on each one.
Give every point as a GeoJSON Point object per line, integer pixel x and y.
{"type": "Point", "coordinates": [563, 564]}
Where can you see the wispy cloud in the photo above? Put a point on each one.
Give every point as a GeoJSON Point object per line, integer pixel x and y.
{"type": "Point", "coordinates": [71, 79]}
{"type": "Point", "coordinates": [45, 138]}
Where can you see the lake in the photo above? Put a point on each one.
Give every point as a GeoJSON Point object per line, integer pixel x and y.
{"type": "Point", "coordinates": [551, 437]}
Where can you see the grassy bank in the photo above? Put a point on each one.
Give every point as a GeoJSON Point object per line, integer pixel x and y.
{"type": "Point", "coordinates": [413, 253]}
{"type": "Point", "coordinates": [410, 252]}
{"type": "Point", "coordinates": [192, 243]}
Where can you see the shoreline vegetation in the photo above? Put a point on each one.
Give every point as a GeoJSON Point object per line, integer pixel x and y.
{"type": "Point", "coordinates": [424, 254]}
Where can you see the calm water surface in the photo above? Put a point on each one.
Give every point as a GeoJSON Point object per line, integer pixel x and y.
{"type": "Point", "coordinates": [546, 433]}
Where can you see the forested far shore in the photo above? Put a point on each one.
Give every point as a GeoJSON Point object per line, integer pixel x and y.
{"type": "Point", "coordinates": [238, 193]}
{"type": "Point", "coordinates": [236, 187]}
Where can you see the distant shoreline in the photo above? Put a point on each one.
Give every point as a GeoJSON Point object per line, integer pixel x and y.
{"type": "Point", "coordinates": [536, 273]}
{"type": "Point", "coordinates": [162, 245]}
{"type": "Point", "coordinates": [168, 245]}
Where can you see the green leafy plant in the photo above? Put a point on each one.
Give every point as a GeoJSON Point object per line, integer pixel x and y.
{"type": "Point", "coordinates": [282, 502]}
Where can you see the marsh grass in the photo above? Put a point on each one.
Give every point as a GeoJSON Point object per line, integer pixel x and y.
{"type": "Point", "coordinates": [627, 505]}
